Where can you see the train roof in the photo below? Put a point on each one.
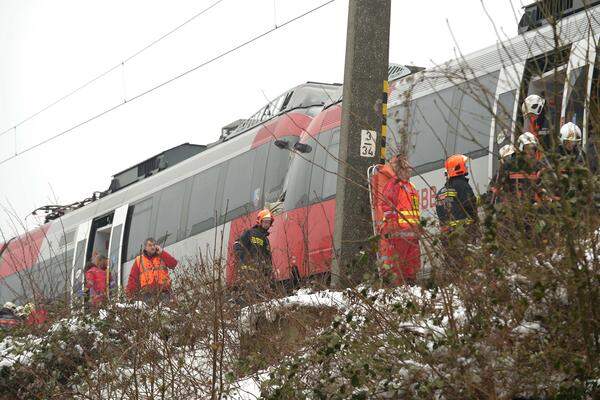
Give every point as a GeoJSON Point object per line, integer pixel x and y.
{"type": "Point", "coordinates": [125, 186]}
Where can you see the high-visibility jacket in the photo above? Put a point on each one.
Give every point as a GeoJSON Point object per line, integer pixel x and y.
{"type": "Point", "coordinates": [151, 273]}
{"type": "Point", "coordinates": [399, 244]}
{"type": "Point", "coordinates": [95, 282]}
{"type": "Point", "coordinates": [401, 205]}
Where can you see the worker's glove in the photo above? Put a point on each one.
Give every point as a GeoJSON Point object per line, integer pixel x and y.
{"type": "Point", "coordinates": [275, 208]}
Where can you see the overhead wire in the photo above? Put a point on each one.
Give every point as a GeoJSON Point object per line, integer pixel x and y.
{"type": "Point", "coordinates": [111, 69]}
{"type": "Point", "coordinates": [169, 81]}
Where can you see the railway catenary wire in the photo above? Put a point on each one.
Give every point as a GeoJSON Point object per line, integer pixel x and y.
{"type": "Point", "coordinates": [111, 69]}
{"type": "Point", "coordinates": [167, 82]}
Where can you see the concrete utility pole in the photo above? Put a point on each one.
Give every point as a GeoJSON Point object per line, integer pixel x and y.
{"type": "Point", "coordinates": [364, 107]}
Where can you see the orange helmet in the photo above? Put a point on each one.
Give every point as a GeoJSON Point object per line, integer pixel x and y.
{"type": "Point", "coordinates": [456, 165]}
{"type": "Point", "coordinates": [264, 214]}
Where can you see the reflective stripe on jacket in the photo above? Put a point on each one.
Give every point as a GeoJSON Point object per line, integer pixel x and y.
{"type": "Point", "coordinates": [401, 204]}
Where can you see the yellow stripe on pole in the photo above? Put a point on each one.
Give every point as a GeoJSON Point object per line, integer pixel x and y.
{"type": "Point", "coordinates": [384, 111]}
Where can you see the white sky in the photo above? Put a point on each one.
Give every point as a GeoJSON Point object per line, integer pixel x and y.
{"type": "Point", "coordinates": [48, 48]}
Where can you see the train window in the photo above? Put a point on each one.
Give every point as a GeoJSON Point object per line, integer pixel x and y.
{"type": "Point", "coordinates": [428, 130]}
{"type": "Point", "coordinates": [299, 178]}
{"type": "Point", "coordinates": [258, 176]}
{"type": "Point", "coordinates": [277, 168]}
{"type": "Point", "coordinates": [312, 95]}
{"type": "Point", "coordinates": [170, 205]}
{"type": "Point", "coordinates": [576, 94]}
{"type": "Point", "coordinates": [331, 166]}
{"type": "Point", "coordinates": [201, 214]}
{"type": "Point", "coordinates": [139, 227]}
{"type": "Point", "coordinates": [503, 126]}
{"type": "Point", "coordinates": [237, 200]}
{"type": "Point", "coordinates": [318, 173]}
{"type": "Point", "coordinates": [475, 115]}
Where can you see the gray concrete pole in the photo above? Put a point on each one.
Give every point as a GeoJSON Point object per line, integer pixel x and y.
{"type": "Point", "coordinates": [365, 75]}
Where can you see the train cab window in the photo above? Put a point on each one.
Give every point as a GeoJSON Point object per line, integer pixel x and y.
{"type": "Point", "coordinates": [318, 171]}
{"type": "Point", "coordinates": [576, 94]}
{"type": "Point", "coordinates": [277, 168]}
{"type": "Point", "coordinates": [299, 178]}
{"type": "Point", "coordinates": [139, 227]}
{"type": "Point", "coordinates": [331, 166]}
{"type": "Point", "coordinates": [170, 204]}
{"type": "Point", "coordinates": [237, 199]}
{"type": "Point", "coordinates": [202, 211]}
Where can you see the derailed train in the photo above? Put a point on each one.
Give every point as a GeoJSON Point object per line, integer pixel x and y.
{"type": "Point", "coordinates": [192, 196]}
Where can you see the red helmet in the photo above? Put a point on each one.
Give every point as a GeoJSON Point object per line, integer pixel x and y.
{"type": "Point", "coordinates": [264, 214]}
{"type": "Point", "coordinates": [456, 165]}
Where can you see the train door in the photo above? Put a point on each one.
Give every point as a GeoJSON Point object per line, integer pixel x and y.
{"type": "Point", "coordinates": [505, 113]}
{"type": "Point", "coordinates": [115, 244]}
{"type": "Point", "coordinates": [79, 260]}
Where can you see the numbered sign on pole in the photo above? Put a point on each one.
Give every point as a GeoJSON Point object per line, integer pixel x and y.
{"type": "Point", "coordinates": [368, 143]}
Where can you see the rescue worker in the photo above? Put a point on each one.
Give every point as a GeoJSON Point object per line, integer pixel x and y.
{"type": "Point", "coordinates": [400, 249]}
{"type": "Point", "coordinates": [96, 279]}
{"type": "Point", "coordinates": [534, 114]}
{"type": "Point", "coordinates": [456, 204]}
{"type": "Point", "coordinates": [507, 155]}
{"type": "Point", "coordinates": [149, 277]}
{"type": "Point", "coordinates": [524, 172]}
{"type": "Point", "coordinates": [252, 249]}
{"type": "Point", "coordinates": [569, 148]}
{"type": "Point", "coordinates": [8, 316]}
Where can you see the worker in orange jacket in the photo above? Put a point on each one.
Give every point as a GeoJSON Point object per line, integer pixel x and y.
{"type": "Point", "coordinates": [400, 251]}
{"type": "Point", "coordinates": [149, 277]}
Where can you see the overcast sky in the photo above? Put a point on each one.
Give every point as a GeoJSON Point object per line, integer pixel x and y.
{"type": "Point", "coordinates": [48, 48]}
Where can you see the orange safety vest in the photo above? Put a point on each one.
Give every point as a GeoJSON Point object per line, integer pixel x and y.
{"type": "Point", "coordinates": [153, 272]}
{"type": "Point", "coordinates": [407, 207]}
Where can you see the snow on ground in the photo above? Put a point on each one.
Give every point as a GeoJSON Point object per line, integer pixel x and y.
{"type": "Point", "coordinates": [303, 298]}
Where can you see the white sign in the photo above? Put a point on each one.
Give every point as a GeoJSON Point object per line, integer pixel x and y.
{"type": "Point", "coordinates": [368, 143]}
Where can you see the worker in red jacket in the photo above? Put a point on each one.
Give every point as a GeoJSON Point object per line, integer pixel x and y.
{"type": "Point", "coordinates": [149, 277]}
{"type": "Point", "coordinates": [401, 253]}
{"type": "Point", "coordinates": [96, 280]}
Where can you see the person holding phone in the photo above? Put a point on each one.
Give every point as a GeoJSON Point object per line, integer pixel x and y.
{"type": "Point", "coordinates": [149, 278]}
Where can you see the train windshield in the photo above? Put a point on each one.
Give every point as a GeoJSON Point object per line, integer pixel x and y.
{"type": "Point", "coordinates": [313, 94]}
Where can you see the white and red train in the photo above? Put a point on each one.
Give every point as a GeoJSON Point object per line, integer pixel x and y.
{"type": "Point", "coordinates": [468, 106]}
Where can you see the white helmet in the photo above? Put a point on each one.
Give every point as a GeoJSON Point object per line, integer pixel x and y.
{"type": "Point", "coordinates": [533, 104]}
{"type": "Point", "coordinates": [507, 151]}
{"type": "Point", "coordinates": [525, 139]}
{"type": "Point", "coordinates": [11, 306]}
{"type": "Point", "coordinates": [570, 132]}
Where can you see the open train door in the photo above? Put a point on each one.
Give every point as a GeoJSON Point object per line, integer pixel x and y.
{"type": "Point", "coordinates": [115, 247]}
{"type": "Point", "coordinates": [77, 273]}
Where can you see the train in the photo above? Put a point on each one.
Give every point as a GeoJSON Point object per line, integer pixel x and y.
{"type": "Point", "coordinates": [190, 196]}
